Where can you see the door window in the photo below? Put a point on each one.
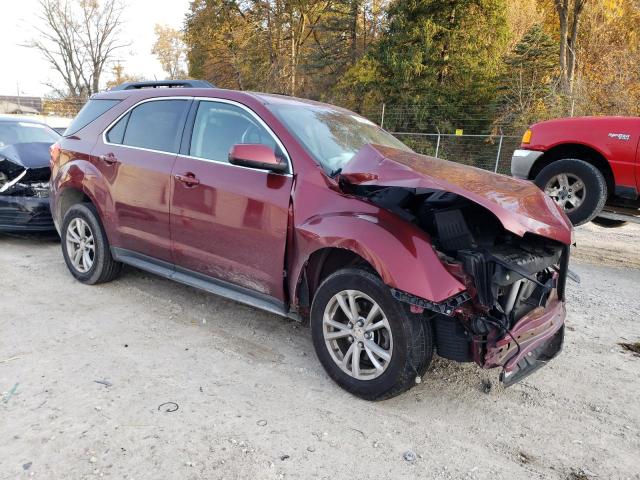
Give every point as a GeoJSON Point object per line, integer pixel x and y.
{"type": "Point", "coordinates": [218, 126]}
{"type": "Point", "coordinates": [155, 125]}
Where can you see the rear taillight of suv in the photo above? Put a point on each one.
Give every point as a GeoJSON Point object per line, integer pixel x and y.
{"type": "Point", "coordinates": [54, 150]}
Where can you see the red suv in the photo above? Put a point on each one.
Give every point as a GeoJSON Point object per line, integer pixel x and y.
{"type": "Point", "coordinates": [312, 212]}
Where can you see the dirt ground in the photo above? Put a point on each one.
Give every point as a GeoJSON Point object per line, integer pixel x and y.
{"type": "Point", "coordinates": [87, 375]}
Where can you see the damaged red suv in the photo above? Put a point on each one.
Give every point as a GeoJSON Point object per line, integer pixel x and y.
{"type": "Point", "coordinates": [312, 212]}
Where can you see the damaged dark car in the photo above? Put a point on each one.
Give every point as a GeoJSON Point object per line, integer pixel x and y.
{"type": "Point", "coordinates": [312, 212]}
{"type": "Point", "coordinates": [24, 175]}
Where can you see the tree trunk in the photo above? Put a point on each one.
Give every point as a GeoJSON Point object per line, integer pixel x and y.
{"type": "Point", "coordinates": [293, 57]}
{"type": "Point", "coordinates": [562, 7]}
{"type": "Point", "coordinates": [353, 33]}
{"type": "Point", "coordinates": [97, 71]}
{"type": "Point", "coordinates": [573, 43]}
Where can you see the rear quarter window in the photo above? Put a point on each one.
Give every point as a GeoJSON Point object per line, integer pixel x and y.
{"type": "Point", "coordinates": [91, 110]}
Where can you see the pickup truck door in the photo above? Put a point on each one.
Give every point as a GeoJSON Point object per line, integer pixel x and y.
{"type": "Point", "coordinates": [229, 222]}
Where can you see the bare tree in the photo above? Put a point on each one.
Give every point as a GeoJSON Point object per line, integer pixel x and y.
{"type": "Point", "coordinates": [569, 12]}
{"type": "Point", "coordinates": [78, 38]}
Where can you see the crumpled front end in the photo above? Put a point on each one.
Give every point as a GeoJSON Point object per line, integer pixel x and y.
{"type": "Point", "coordinates": [511, 314]}
{"type": "Point", "coordinates": [515, 320]}
{"type": "Point", "coordinates": [24, 189]}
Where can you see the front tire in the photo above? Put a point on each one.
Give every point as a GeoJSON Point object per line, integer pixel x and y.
{"type": "Point", "coordinates": [577, 186]}
{"type": "Point", "coordinates": [85, 246]}
{"type": "Point", "coordinates": [368, 342]}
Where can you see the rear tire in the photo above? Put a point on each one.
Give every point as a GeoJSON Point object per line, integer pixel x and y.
{"type": "Point", "coordinates": [586, 199]}
{"type": "Point", "coordinates": [85, 246]}
{"type": "Point", "coordinates": [405, 338]}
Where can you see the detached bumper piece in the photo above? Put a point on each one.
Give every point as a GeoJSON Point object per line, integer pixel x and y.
{"type": "Point", "coordinates": [534, 340]}
{"type": "Point", "coordinates": [536, 358]}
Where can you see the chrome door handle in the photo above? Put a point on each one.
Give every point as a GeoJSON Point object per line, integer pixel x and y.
{"type": "Point", "coordinates": [109, 159]}
{"type": "Point", "coordinates": [189, 179]}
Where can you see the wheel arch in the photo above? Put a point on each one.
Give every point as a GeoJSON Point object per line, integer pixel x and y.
{"type": "Point", "coordinates": [77, 182]}
{"type": "Point", "coordinates": [396, 251]}
{"type": "Point", "coordinates": [69, 197]}
{"type": "Point", "coordinates": [577, 151]}
{"type": "Point", "coordinates": [322, 263]}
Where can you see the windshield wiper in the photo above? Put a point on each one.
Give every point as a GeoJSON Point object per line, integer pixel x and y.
{"type": "Point", "coordinates": [335, 172]}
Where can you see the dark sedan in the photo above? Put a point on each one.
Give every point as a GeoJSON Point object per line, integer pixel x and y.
{"type": "Point", "coordinates": [24, 174]}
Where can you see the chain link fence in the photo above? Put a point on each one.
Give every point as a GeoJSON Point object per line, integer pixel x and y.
{"type": "Point", "coordinates": [489, 152]}
{"type": "Point", "coordinates": [475, 140]}
{"type": "Point", "coordinates": [478, 139]}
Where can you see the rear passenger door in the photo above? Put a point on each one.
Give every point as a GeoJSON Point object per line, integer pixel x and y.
{"type": "Point", "coordinates": [136, 155]}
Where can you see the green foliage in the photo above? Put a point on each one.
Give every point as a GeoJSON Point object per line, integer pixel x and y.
{"type": "Point", "coordinates": [529, 82]}
{"type": "Point", "coordinates": [444, 56]}
{"type": "Point", "coordinates": [434, 64]}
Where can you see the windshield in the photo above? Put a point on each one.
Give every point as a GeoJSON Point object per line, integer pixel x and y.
{"type": "Point", "coordinates": [12, 133]}
{"type": "Point", "coordinates": [332, 136]}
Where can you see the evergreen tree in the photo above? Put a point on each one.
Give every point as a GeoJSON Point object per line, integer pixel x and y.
{"type": "Point", "coordinates": [529, 79]}
{"type": "Point", "coordinates": [442, 55]}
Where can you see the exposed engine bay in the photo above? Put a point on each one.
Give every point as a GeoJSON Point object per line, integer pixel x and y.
{"type": "Point", "coordinates": [507, 277]}
{"type": "Point", "coordinates": [27, 183]}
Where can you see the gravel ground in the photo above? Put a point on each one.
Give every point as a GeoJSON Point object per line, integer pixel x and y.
{"type": "Point", "coordinates": [88, 374]}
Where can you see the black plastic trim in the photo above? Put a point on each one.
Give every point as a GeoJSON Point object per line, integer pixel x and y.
{"type": "Point", "coordinates": [163, 84]}
{"type": "Point", "coordinates": [630, 193]}
{"type": "Point", "coordinates": [445, 308]}
{"type": "Point", "coordinates": [202, 282]}
{"type": "Point", "coordinates": [564, 271]}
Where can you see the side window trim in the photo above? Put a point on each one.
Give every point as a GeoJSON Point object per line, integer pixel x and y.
{"type": "Point", "coordinates": [185, 146]}
{"type": "Point", "coordinates": [124, 118]}
{"type": "Point", "coordinates": [182, 120]}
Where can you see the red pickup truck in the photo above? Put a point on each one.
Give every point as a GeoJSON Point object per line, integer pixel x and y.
{"type": "Point", "coordinates": [589, 165]}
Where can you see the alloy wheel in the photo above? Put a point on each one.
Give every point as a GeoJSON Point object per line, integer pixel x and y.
{"type": "Point", "coordinates": [357, 334]}
{"type": "Point", "coordinates": [567, 190]}
{"type": "Point", "coordinates": [80, 244]}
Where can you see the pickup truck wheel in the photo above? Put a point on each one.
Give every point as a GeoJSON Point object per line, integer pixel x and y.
{"type": "Point", "coordinates": [577, 186]}
{"type": "Point", "coordinates": [368, 342]}
{"type": "Point", "coordinates": [85, 246]}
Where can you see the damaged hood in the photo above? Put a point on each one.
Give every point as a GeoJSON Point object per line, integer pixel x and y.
{"type": "Point", "coordinates": [519, 205]}
{"type": "Point", "coordinates": [26, 155]}
{"type": "Point", "coordinates": [23, 163]}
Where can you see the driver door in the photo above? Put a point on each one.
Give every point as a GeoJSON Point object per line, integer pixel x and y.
{"type": "Point", "coordinates": [229, 222]}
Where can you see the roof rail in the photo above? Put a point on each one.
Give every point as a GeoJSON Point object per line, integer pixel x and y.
{"type": "Point", "coordinates": [163, 84]}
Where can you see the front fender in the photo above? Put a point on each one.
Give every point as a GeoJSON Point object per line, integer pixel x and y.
{"type": "Point", "coordinates": [400, 252]}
